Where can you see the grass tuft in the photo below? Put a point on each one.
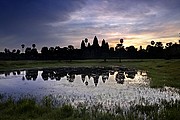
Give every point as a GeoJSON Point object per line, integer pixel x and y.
{"type": "Point", "coordinates": [28, 108]}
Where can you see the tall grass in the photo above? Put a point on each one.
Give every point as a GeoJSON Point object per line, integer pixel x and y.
{"type": "Point", "coordinates": [29, 108]}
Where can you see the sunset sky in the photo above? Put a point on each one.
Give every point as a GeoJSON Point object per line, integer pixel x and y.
{"type": "Point", "coordinates": [67, 22]}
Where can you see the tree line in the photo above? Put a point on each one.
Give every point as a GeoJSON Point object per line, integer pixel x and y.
{"type": "Point", "coordinates": [155, 50]}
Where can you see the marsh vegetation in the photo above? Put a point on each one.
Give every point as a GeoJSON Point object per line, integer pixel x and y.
{"type": "Point", "coordinates": [133, 89]}
{"type": "Point", "coordinates": [29, 108]}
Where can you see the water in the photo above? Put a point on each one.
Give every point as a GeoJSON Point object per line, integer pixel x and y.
{"type": "Point", "coordinates": [108, 86]}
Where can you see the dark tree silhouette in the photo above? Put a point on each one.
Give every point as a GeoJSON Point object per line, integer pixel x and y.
{"type": "Point", "coordinates": [57, 52]}
{"type": "Point", "coordinates": [51, 50]}
{"type": "Point", "coordinates": [33, 46]}
{"type": "Point", "coordinates": [70, 52]}
{"type": "Point", "coordinates": [131, 51]}
{"type": "Point", "coordinates": [86, 41]}
{"type": "Point", "coordinates": [70, 47]}
{"type": "Point", "coordinates": [22, 46]}
{"type": "Point", "coordinates": [14, 51]}
{"type": "Point", "coordinates": [44, 51]}
{"type": "Point", "coordinates": [121, 41]}
{"type": "Point", "coordinates": [119, 48]}
{"type": "Point", "coordinates": [34, 53]}
{"type": "Point", "coordinates": [168, 50]}
{"type": "Point", "coordinates": [6, 51]}
{"type": "Point", "coordinates": [18, 51]}
{"type": "Point", "coordinates": [159, 44]}
{"type": "Point", "coordinates": [152, 43]}
{"type": "Point", "coordinates": [169, 44]}
{"type": "Point", "coordinates": [155, 50]}
{"type": "Point", "coordinates": [28, 53]}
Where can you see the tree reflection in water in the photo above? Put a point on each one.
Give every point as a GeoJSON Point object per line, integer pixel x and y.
{"type": "Point", "coordinates": [71, 77]}
{"type": "Point", "coordinates": [86, 74]}
{"type": "Point", "coordinates": [120, 78]}
{"type": "Point", "coordinates": [105, 76]}
{"type": "Point", "coordinates": [31, 74]}
{"type": "Point", "coordinates": [130, 74]}
{"type": "Point", "coordinates": [83, 77]}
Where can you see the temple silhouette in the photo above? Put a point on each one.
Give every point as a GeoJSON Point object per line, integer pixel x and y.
{"type": "Point", "coordinates": [155, 50]}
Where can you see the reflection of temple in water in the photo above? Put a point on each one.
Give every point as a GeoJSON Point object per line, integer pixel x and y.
{"type": "Point", "coordinates": [105, 76]}
{"type": "Point", "coordinates": [83, 77]}
{"type": "Point", "coordinates": [87, 74]}
{"type": "Point", "coordinates": [96, 79]}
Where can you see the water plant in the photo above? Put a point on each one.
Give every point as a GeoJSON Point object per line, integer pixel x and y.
{"type": "Point", "coordinates": [29, 108]}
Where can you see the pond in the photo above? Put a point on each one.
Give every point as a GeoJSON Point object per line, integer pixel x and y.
{"type": "Point", "coordinates": [91, 85]}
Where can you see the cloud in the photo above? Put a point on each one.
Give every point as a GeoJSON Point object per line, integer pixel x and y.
{"type": "Point", "coordinates": [64, 22]}
{"type": "Point", "coordinates": [27, 20]}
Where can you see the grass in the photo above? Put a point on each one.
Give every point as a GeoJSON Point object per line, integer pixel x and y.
{"type": "Point", "coordinates": [9, 65]}
{"type": "Point", "coordinates": [162, 72]}
{"type": "Point", "coordinates": [28, 108]}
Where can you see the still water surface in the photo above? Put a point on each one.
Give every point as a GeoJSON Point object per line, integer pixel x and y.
{"type": "Point", "coordinates": [110, 86]}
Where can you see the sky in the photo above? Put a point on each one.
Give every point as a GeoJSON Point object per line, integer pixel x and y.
{"type": "Point", "coordinates": [68, 22]}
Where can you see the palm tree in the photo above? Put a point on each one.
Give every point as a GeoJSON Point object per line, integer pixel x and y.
{"type": "Point", "coordinates": [121, 44]}
{"type": "Point", "coordinates": [22, 48]}
{"type": "Point", "coordinates": [86, 41]}
{"type": "Point", "coordinates": [121, 41]}
{"type": "Point", "coordinates": [159, 44]}
{"type": "Point", "coordinates": [34, 46]}
{"type": "Point", "coordinates": [152, 43]}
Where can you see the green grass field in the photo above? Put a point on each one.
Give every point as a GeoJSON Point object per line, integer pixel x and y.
{"type": "Point", "coordinates": [162, 72]}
